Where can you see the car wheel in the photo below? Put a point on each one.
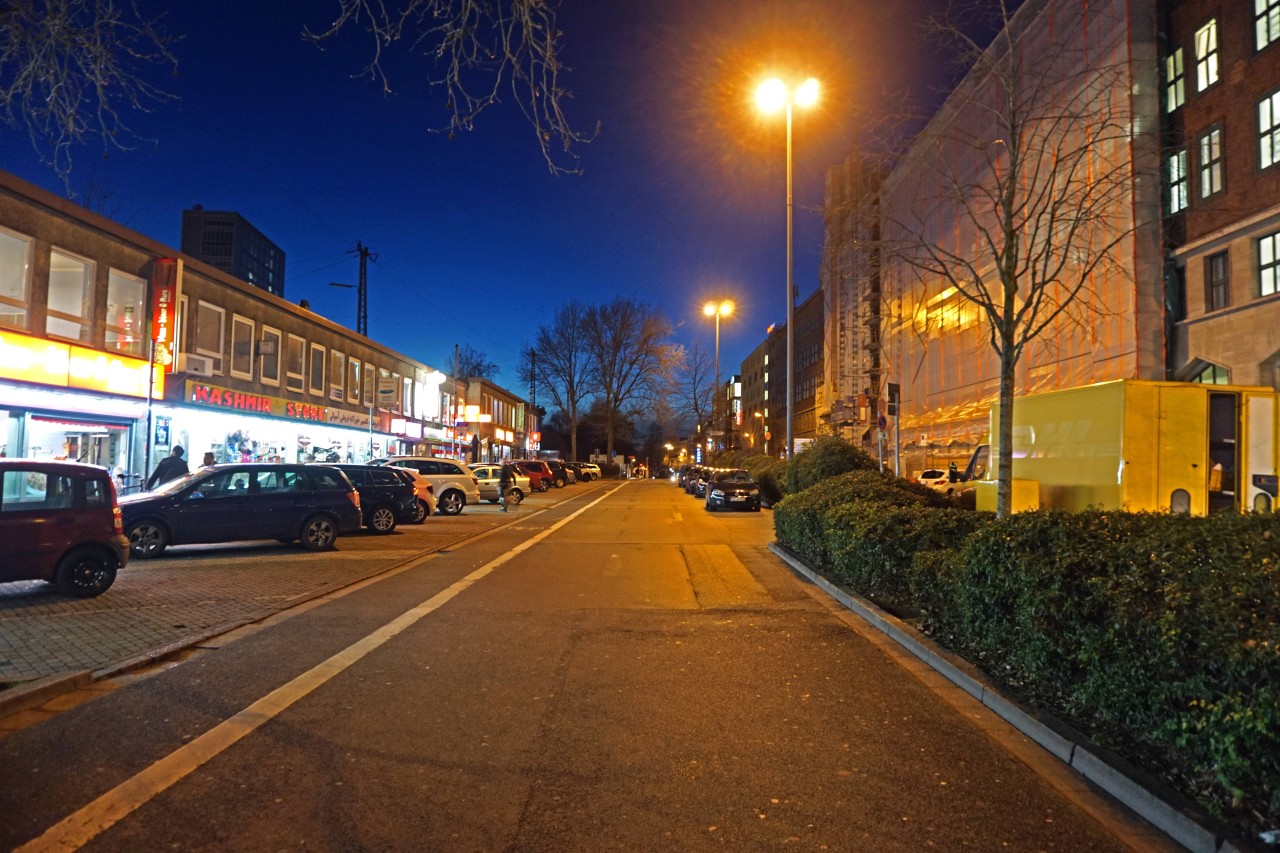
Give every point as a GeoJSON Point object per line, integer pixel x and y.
{"type": "Point", "coordinates": [756, 508]}
{"type": "Point", "coordinates": [318, 533]}
{"type": "Point", "coordinates": [451, 502]}
{"type": "Point", "coordinates": [517, 496]}
{"type": "Point", "coordinates": [709, 506]}
{"type": "Point", "coordinates": [544, 486]}
{"type": "Point", "coordinates": [560, 482]}
{"type": "Point", "coordinates": [382, 519]}
{"type": "Point", "coordinates": [85, 573]}
{"type": "Point", "coordinates": [420, 512]}
{"type": "Point", "coordinates": [147, 539]}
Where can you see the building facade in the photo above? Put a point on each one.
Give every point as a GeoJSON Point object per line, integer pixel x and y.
{"type": "Point", "coordinates": [1220, 92]}
{"type": "Point", "coordinates": [225, 240]}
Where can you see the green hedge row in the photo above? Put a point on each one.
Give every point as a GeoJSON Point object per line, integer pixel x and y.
{"type": "Point", "coordinates": [1158, 635]}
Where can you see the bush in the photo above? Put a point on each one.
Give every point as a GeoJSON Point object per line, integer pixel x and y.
{"type": "Point", "coordinates": [772, 477]}
{"type": "Point", "coordinates": [825, 458]}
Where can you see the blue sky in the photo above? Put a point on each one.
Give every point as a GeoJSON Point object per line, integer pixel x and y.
{"type": "Point", "coordinates": [681, 199]}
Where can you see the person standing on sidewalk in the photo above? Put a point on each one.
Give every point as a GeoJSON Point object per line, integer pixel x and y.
{"type": "Point", "coordinates": [170, 467]}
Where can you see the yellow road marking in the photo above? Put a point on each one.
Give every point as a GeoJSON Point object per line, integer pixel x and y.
{"type": "Point", "coordinates": [81, 827]}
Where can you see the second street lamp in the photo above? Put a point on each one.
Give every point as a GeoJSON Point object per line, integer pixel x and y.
{"type": "Point", "coordinates": [771, 96]}
{"type": "Point", "coordinates": [717, 309]}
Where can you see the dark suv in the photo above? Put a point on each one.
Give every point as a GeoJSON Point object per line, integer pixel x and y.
{"type": "Point", "coordinates": [386, 495]}
{"type": "Point", "coordinates": [228, 503]}
{"type": "Point", "coordinates": [59, 522]}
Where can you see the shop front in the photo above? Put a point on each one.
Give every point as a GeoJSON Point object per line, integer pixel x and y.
{"type": "Point", "coordinates": [244, 427]}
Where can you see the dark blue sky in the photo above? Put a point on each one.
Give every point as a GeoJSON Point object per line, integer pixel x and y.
{"type": "Point", "coordinates": [682, 196]}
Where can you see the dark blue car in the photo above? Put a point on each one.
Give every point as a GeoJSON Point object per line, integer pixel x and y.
{"type": "Point", "coordinates": [227, 503]}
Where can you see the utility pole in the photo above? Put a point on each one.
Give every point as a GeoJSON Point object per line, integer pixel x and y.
{"type": "Point", "coordinates": [362, 289]}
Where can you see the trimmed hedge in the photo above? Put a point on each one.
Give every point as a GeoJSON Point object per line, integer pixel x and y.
{"type": "Point", "coordinates": [1158, 635]}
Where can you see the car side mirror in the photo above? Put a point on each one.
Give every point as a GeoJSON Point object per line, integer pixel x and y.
{"type": "Point", "coordinates": [196, 496]}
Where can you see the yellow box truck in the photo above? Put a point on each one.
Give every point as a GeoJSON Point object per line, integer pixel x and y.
{"type": "Point", "coordinates": [1139, 445]}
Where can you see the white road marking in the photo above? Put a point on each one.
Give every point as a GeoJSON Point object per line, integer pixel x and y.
{"type": "Point", "coordinates": [81, 827]}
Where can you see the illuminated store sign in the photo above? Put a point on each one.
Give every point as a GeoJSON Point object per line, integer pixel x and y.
{"type": "Point", "coordinates": [166, 279]}
{"type": "Point", "coordinates": [44, 362]}
{"type": "Point", "coordinates": [216, 397]}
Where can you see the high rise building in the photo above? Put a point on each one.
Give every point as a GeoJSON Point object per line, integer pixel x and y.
{"type": "Point", "coordinates": [224, 239]}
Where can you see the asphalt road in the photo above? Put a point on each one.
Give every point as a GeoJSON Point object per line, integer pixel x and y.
{"type": "Point", "coordinates": [618, 671]}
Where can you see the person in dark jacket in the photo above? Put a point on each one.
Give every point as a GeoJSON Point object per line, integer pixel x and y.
{"type": "Point", "coordinates": [506, 483]}
{"type": "Point", "coordinates": [170, 467]}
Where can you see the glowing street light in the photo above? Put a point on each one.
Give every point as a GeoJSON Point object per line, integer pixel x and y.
{"type": "Point", "coordinates": [771, 96]}
{"type": "Point", "coordinates": [717, 310]}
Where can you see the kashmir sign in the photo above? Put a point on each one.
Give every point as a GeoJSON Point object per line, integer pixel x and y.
{"type": "Point", "coordinates": [227, 399]}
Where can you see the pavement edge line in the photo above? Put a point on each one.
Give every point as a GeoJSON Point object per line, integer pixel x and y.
{"type": "Point", "coordinates": [1078, 753]}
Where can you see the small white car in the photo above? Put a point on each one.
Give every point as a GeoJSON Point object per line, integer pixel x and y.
{"type": "Point", "coordinates": [423, 491]}
{"type": "Point", "coordinates": [938, 479]}
{"type": "Point", "coordinates": [490, 476]}
{"type": "Point", "coordinates": [455, 484]}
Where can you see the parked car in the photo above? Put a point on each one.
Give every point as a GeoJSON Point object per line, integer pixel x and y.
{"type": "Point", "coordinates": [733, 488]}
{"type": "Point", "coordinates": [560, 475]}
{"type": "Point", "coordinates": [423, 490]}
{"type": "Point", "coordinates": [936, 478]}
{"type": "Point", "coordinates": [698, 482]}
{"type": "Point", "coordinates": [60, 522]}
{"type": "Point", "coordinates": [592, 469]}
{"type": "Point", "coordinates": [489, 477]}
{"type": "Point", "coordinates": [387, 495]}
{"type": "Point", "coordinates": [536, 470]}
{"type": "Point", "coordinates": [454, 484]}
{"type": "Point", "coordinates": [227, 503]}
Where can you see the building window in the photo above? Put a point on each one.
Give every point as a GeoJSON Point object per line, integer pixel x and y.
{"type": "Point", "coordinates": [269, 352]}
{"type": "Point", "coordinates": [1213, 375]}
{"type": "Point", "coordinates": [1269, 130]}
{"type": "Point", "coordinates": [337, 375]}
{"type": "Point", "coordinates": [353, 380]}
{"type": "Point", "coordinates": [210, 330]}
{"type": "Point", "coordinates": [241, 347]}
{"type": "Point", "coordinates": [1207, 55]}
{"type": "Point", "coordinates": [1266, 21]}
{"type": "Point", "coordinates": [1217, 282]}
{"type": "Point", "coordinates": [1175, 87]}
{"type": "Point", "coordinates": [1211, 162]}
{"type": "Point", "coordinates": [406, 395]}
{"type": "Point", "coordinates": [370, 383]}
{"type": "Point", "coordinates": [70, 296]}
{"type": "Point", "coordinates": [295, 358]}
{"type": "Point", "coordinates": [1178, 181]}
{"type": "Point", "coordinates": [126, 297]}
{"type": "Point", "coordinates": [1268, 264]}
{"type": "Point", "coordinates": [317, 374]}
{"type": "Point", "coordinates": [15, 272]}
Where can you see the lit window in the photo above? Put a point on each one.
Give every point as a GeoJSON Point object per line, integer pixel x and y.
{"type": "Point", "coordinates": [1268, 263]}
{"type": "Point", "coordinates": [1207, 55]}
{"type": "Point", "coordinates": [1175, 91]}
{"type": "Point", "coordinates": [1266, 21]}
{"type": "Point", "coordinates": [70, 296]}
{"type": "Point", "coordinates": [353, 380]}
{"type": "Point", "coordinates": [1213, 375]}
{"type": "Point", "coordinates": [126, 297]}
{"type": "Point", "coordinates": [337, 373]}
{"type": "Point", "coordinates": [1217, 282]}
{"type": "Point", "coordinates": [1269, 131]}
{"type": "Point", "coordinates": [1211, 162]}
{"type": "Point", "coordinates": [15, 272]}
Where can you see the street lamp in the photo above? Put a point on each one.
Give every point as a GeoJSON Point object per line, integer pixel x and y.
{"type": "Point", "coordinates": [771, 96]}
{"type": "Point", "coordinates": [717, 309]}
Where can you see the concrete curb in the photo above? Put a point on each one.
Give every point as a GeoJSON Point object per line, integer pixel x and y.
{"type": "Point", "coordinates": [1067, 745]}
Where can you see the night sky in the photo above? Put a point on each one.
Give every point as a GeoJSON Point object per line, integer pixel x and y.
{"type": "Point", "coordinates": [681, 196]}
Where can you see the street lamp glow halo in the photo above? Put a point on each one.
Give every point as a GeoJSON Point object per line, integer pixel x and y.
{"type": "Point", "coordinates": [771, 95]}
{"type": "Point", "coordinates": [726, 308]}
{"type": "Point", "coordinates": [807, 93]}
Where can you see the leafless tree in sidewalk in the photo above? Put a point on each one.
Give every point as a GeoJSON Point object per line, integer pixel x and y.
{"type": "Point", "coordinates": [563, 366]}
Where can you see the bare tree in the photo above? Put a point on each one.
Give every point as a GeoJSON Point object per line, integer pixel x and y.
{"type": "Point", "coordinates": [481, 48]}
{"type": "Point", "coordinates": [473, 363]}
{"type": "Point", "coordinates": [631, 360]}
{"type": "Point", "coordinates": [1018, 196]}
{"type": "Point", "coordinates": [695, 388]}
{"type": "Point", "coordinates": [70, 68]}
{"type": "Point", "coordinates": [563, 366]}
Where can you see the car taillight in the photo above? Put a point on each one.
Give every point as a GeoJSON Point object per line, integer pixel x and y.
{"type": "Point", "coordinates": [117, 519]}
{"type": "Point", "coordinates": [476, 480]}
{"type": "Point", "coordinates": [354, 497]}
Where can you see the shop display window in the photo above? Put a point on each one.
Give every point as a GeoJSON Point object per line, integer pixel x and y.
{"type": "Point", "coordinates": [295, 363]}
{"type": "Point", "coordinates": [70, 296]}
{"type": "Point", "coordinates": [269, 355]}
{"type": "Point", "coordinates": [126, 314]}
{"type": "Point", "coordinates": [241, 347]}
{"type": "Point", "coordinates": [15, 272]}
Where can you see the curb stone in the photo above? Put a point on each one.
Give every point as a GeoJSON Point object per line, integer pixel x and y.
{"type": "Point", "coordinates": [1069, 746]}
{"type": "Point", "coordinates": [30, 694]}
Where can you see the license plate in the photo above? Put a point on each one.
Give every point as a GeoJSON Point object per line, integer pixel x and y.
{"type": "Point", "coordinates": [738, 498]}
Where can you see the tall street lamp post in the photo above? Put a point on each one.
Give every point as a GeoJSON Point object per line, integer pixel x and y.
{"type": "Point", "coordinates": [717, 309]}
{"type": "Point", "coordinates": [772, 95]}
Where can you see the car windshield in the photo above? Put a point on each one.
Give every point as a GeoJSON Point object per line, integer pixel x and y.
{"type": "Point", "coordinates": [734, 477]}
{"type": "Point", "coordinates": [176, 484]}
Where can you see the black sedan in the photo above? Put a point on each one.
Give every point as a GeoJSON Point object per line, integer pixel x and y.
{"type": "Point", "coordinates": [733, 489]}
{"type": "Point", "coordinates": [229, 503]}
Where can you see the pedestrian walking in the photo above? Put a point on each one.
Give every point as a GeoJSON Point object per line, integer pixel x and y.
{"type": "Point", "coordinates": [506, 484]}
{"type": "Point", "coordinates": [170, 467]}
{"type": "Point", "coordinates": [209, 461]}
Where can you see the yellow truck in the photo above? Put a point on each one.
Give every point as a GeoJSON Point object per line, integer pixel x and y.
{"type": "Point", "coordinates": [1139, 445]}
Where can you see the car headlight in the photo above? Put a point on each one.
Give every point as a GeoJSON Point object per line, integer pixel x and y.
{"type": "Point", "coordinates": [755, 493]}
{"type": "Point", "coordinates": [716, 493]}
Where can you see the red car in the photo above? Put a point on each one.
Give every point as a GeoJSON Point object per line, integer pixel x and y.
{"type": "Point", "coordinates": [538, 472]}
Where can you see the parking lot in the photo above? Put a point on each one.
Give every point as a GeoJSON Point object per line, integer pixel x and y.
{"type": "Point", "coordinates": [196, 592]}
